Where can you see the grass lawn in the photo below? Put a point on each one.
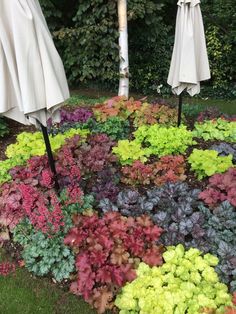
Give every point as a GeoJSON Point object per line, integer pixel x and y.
{"type": "Point", "coordinates": [21, 293]}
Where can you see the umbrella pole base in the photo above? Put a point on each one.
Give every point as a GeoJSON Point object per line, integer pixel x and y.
{"type": "Point", "coordinates": [180, 109]}
{"type": "Point", "coordinates": [50, 156]}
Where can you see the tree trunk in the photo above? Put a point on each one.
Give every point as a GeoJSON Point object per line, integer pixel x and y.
{"type": "Point", "coordinates": [123, 46]}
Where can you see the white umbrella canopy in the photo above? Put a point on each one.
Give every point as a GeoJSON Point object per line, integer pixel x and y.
{"type": "Point", "coordinates": [33, 84]}
{"type": "Point", "coordinates": [189, 63]}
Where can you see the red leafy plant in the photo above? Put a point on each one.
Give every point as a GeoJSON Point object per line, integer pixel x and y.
{"type": "Point", "coordinates": [108, 252]}
{"type": "Point", "coordinates": [7, 268]}
{"type": "Point", "coordinates": [167, 169]}
{"type": "Point", "coordinates": [221, 187]}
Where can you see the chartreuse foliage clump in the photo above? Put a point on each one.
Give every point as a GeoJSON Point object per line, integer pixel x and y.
{"type": "Point", "coordinates": [208, 162]}
{"type": "Point", "coordinates": [32, 144]}
{"type": "Point", "coordinates": [162, 141]}
{"type": "Point", "coordinates": [219, 129]}
{"type": "Point", "coordinates": [129, 151]}
{"type": "Point", "coordinates": [186, 283]}
{"type": "Point", "coordinates": [44, 255]}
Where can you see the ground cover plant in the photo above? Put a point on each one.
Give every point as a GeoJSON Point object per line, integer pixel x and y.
{"type": "Point", "coordinates": [134, 188]}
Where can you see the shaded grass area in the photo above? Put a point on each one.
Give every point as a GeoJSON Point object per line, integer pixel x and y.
{"type": "Point", "coordinates": [192, 105]}
{"type": "Point", "coordinates": [21, 293]}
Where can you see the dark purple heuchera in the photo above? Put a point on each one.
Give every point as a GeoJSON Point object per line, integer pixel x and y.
{"type": "Point", "coordinates": [79, 115]}
{"type": "Point", "coordinates": [106, 185]}
{"type": "Point", "coordinates": [224, 149]}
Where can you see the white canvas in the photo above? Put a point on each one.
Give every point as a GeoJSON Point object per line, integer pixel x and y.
{"type": "Point", "coordinates": [189, 63]}
{"type": "Point", "coordinates": [33, 84]}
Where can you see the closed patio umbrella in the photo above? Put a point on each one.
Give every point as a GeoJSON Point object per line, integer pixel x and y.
{"type": "Point", "coordinates": [33, 84]}
{"type": "Point", "coordinates": [189, 63]}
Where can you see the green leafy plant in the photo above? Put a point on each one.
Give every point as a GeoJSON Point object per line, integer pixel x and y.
{"type": "Point", "coordinates": [44, 255]}
{"type": "Point", "coordinates": [115, 127]}
{"type": "Point", "coordinates": [186, 283]}
{"type": "Point", "coordinates": [219, 129]}
{"type": "Point", "coordinates": [207, 162]}
{"type": "Point", "coordinates": [129, 151]}
{"type": "Point", "coordinates": [162, 141]}
{"type": "Point", "coordinates": [3, 127]}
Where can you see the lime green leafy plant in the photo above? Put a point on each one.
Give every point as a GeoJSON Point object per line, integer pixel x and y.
{"type": "Point", "coordinates": [207, 162]}
{"type": "Point", "coordinates": [164, 141]}
{"type": "Point", "coordinates": [128, 151]}
{"type": "Point", "coordinates": [32, 144]}
{"type": "Point", "coordinates": [186, 283]}
{"type": "Point", "coordinates": [219, 129]}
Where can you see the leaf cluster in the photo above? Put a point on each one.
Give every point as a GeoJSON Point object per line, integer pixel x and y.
{"type": "Point", "coordinates": [208, 162]}
{"type": "Point", "coordinates": [221, 187]}
{"type": "Point", "coordinates": [44, 255]}
{"type": "Point", "coordinates": [219, 129]}
{"type": "Point", "coordinates": [225, 149]}
{"type": "Point", "coordinates": [185, 283]}
{"type": "Point", "coordinates": [167, 169]}
{"type": "Point", "coordinates": [108, 251]}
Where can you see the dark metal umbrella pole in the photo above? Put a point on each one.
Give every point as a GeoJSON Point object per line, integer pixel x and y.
{"type": "Point", "coordinates": [180, 108]}
{"type": "Point", "coordinates": [50, 155]}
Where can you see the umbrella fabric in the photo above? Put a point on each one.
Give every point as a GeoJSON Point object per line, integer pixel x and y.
{"type": "Point", "coordinates": [189, 63]}
{"type": "Point", "coordinates": [32, 79]}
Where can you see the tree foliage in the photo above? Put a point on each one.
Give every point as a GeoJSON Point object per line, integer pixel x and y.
{"type": "Point", "coordinates": [86, 34]}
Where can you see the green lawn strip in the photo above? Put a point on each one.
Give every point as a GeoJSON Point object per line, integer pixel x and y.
{"type": "Point", "coordinates": [21, 293]}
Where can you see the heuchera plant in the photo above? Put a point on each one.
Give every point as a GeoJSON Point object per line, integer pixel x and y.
{"type": "Point", "coordinates": [207, 162]}
{"type": "Point", "coordinates": [109, 249]}
{"type": "Point", "coordinates": [225, 149]}
{"type": "Point", "coordinates": [79, 115]}
{"type": "Point", "coordinates": [162, 141]}
{"type": "Point", "coordinates": [221, 187]}
{"type": "Point", "coordinates": [116, 106]}
{"type": "Point", "coordinates": [216, 129]}
{"type": "Point", "coordinates": [155, 113]}
{"type": "Point", "coordinates": [167, 169]}
{"type": "Point", "coordinates": [186, 283]}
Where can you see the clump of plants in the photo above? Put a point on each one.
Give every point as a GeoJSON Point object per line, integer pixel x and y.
{"type": "Point", "coordinates": [219, 129]}
{"type": "Point", "coordinates": [220, 239]}
{"type": "Point", "coordinates": [155, 114]}
{"type": "Point", "coordinates": [207, 162]}
{"type": "Point", "coordinates": [42, 254]}
{"type": "Point", "coordinates": [167, 169]}
{"type": "Point", "coordinates": [162, 141]}
{"type": "Point", "coordinates": [186, 283]}
{"type": "Point", "coordinates": [79, 115]}
{"type": "Point", "coordinates": [108, 252]}
{"type": "Point", "coordinates": [115, 127]}
{"type": "Point", "coordinates": [221, 187]}
{"type": "Point", "coordinates": [117, 106]}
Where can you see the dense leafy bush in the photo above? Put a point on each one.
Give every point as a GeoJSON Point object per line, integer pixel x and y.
{"type": "Point", "coordinates": [155, 113]}
{"type": "Point", "coordinates": [167, 169]}
{"type": "Point", "coordinates": [217, 129]}
{"type": "Point", "coordinates": [221, 187]}
{"type": "Point", "coordinates": [207, 162]}
{"type": "Point", "coordinates": [115, 127]}
{"type": "Point", "coordinates": [3, 127]}
{"type": "Point", "coordinates": [220, 239]}
{"type": "Point", "coordinates": [129, 151]}
{"type": "Point", "coordinates": [42, 254]}
{"type": "Point", "coordinates": [79, 115]}
{"type": "Point", "coordinates": [162, 141]}
{"type": "Point", "coordinates": [186, 282]}
{"type": "Point", "coordinates": [109, 249]}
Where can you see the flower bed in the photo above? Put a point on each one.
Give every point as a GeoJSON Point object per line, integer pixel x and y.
{"type": "Point", "coordinates": [145, 220]}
